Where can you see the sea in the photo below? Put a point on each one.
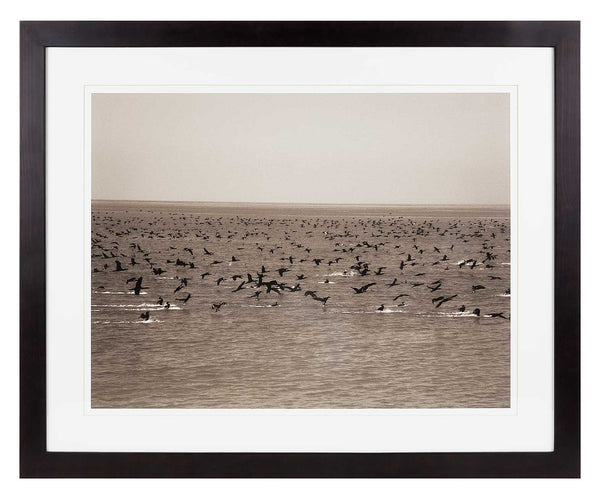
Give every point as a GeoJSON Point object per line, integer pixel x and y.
{"type": "Point", "coordinates": [299, 306]}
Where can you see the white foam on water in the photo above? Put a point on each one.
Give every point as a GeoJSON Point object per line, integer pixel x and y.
{"type": "Point", "coordinates": [154, 305]}
{"type": "Point", "coordinates": [385, 311]}
{"type": "Point", "coordinates": [135, 308]}
{"type": "Point", "coordinates": [448, 314]}
{"type": "Point", "coordinates": [127, 322]}
{"type": "Point", "coordinates": [329, 282]}
{"type": "Point", "coordinates": [340, 274]}
{"type": "Point", "coordinates": [457, 314]}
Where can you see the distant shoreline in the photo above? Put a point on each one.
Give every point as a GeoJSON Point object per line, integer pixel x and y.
{"type": "Point", "coordinates": [304, 209]}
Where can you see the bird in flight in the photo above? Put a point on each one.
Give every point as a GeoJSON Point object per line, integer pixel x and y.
{"type": "Point", "coordinates": [138, 286]}
{"type": "Point", "coordinates": [364, 288]}
{"type": "Point", "coordinates": [444, 300]}
{"type": "Point", "coordinates": [185, 300]}
{"type": "Point", "coordinates": [217, 306]}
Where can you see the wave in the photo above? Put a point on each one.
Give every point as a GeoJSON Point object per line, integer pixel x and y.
{"type": "Point", "coordinates": [155, 305]}
{"type": "Point", "coordinates": [385, 311]}
{"type": "Point", "coordinates": [127, 322]}
{"type": "Point", "coordinates": [136, 308]}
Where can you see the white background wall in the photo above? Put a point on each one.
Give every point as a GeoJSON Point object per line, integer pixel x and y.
{"type": "Point", "coordinates": [12, 12]}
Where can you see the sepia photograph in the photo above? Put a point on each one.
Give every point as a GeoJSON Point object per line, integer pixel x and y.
{"type": "Point", "coordinates": [272, 250]}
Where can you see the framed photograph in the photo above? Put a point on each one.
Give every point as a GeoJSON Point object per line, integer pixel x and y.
{"type": "Point", "coordinates": [300, 249]}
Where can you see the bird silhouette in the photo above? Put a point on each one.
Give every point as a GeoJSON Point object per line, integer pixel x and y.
{"type": "Point", "coordinates": [364, 288]}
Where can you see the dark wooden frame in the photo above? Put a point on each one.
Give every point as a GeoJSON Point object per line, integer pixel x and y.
{"type": "Point", "coordinates": [563, 36]}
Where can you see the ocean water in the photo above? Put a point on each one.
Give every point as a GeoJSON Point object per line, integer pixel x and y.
{"type": "Point", "coordinates": [285, 348]}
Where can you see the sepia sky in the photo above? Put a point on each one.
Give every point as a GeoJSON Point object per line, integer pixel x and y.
{"type": "Point", "coordinates": [360, 148]}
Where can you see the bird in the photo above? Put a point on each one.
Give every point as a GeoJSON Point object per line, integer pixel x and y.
{"type": "Point", "coordinates": [145, 315]}
{"type": "Point", "coordinates": [138, 286]}
{"type": "Point", "coordinates": [477, 287]}
{"type": "Point", "coordinates": [444, 300]}
{"type": "Point", "coordinates": [119, 267]}
{"type": "Point", "coordinates": [185, 300]}
{"type": "Point", "coordinates": [322, 300]}
{"type": "Point", "coordinates": [400, 296]}
{"type": "Point", "coordinates": [381, 308]}
{"type": "Point", "coordinates": [270, 287]}
{"type": "Point", "coordinates": [500, 315]}
{"type": "Point", "coordinates": [217, 306]}
{"type": "Point", "coordinates": [364, 288]}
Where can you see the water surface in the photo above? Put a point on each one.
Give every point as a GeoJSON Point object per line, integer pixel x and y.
{"type": "Point", "coordinates": [289, 350]}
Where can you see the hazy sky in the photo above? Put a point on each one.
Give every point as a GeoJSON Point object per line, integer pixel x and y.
{"type": "Point", "coordinates": [302, 148]}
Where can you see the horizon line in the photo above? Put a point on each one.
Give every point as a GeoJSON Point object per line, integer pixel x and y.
{"type": "Point", "coordinates": [503, 205]}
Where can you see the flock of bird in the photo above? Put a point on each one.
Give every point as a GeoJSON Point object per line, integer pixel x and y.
{"type": "Point", "coordinates": [265, 258]}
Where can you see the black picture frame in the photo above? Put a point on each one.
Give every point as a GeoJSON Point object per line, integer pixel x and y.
{"type": "Point", "coordinates": [562, 36]}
